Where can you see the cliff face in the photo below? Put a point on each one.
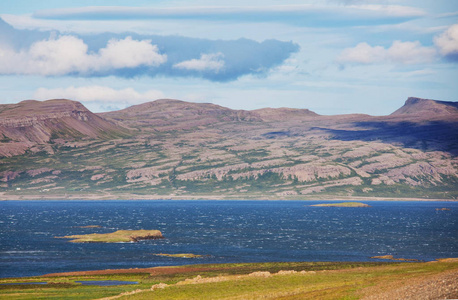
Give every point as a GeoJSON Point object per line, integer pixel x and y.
{"type": "Point", "coordinates": [31, 123]}
{"type": "Point", "coordinates": [181, 149]}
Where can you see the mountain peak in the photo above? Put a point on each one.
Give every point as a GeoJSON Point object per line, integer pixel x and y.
{"type": "Point", "coordinates": [427, 108]}
{"type": "Point", "coordinates": [415, 100]}
{"type": "Point", "coordinates": [33, 122]}
{"type": "Point", "coordinates": [164, 114]}
{"type": "Point", "coordinates": [284, 113]}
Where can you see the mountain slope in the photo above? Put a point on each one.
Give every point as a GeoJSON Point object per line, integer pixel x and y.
{"type": "Point", "coordinates": [428, 109]}
{"type": "Point", "coordinates": [31, 123]}
{"type": "Point", "coordinates": [169, 114]}
{"type": "Point", "coordinates": [282, 114]}
{"type": "Point", "coordinates": [177, 149]}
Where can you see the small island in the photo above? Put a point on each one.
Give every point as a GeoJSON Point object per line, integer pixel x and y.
{"type": "Point", "coordinates": [343, 204]}
{"type": "Point", "coordinates": [115, 237]}
{"type": "Point", "coordinates": [180, 255]}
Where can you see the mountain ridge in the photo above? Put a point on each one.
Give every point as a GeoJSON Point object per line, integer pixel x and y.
{"type": "Point", "coordinates": [164, 113]}
{"type": "Point", "coordinates": [427, 107]}
{"type": "Point", "coordinates": [31, 122]}
{"type": "Point", "coordinates": [176, 149]}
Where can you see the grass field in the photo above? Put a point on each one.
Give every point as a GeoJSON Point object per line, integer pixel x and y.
{"type": "Point", "coordinates": [299, 280]}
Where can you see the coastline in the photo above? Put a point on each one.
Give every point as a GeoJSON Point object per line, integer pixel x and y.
{"type": "Point", "coordinates": [134, 197]}
{"type": "Point", "coordinates": [207, 267]}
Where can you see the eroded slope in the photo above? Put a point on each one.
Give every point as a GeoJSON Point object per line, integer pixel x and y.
{"type": "Point", "coordinates": [181, 149]}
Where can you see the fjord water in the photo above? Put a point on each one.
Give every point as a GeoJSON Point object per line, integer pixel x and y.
{"type": "Point", "coordinates": [222, 231]}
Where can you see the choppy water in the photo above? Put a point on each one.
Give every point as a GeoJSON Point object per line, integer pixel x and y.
{"type": "Point", "coordinates": [224, 231]}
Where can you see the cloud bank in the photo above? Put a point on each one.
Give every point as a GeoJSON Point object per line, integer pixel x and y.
{"type": "Point", "coordinates": [69, 55]}
{"type": "Point", "coordinates": [398, 53]}
{"type": "Point", "coordinates": [301, 14]}
{"type": "Point", "coordinates": [130, 55]}
{"type": "Point", "coordinates": [101, 94]}
{"type": "Point", "coordinates": [408, 53]}
{"type": "Point", "coordinates": [447, 43]}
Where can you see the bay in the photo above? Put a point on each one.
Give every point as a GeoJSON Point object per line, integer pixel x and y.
{"type": "Point", "coordinates": [221, 231]}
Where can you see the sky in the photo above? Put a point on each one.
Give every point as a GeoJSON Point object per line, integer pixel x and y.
{"type": "Point", "coordinates": [329, 56]}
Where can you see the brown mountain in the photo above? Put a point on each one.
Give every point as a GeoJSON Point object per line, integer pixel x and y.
{"type": "Point", "coordinates": [176, 149]}
{"type": "Point", "coordinates": [428, 109]}
{"type": "Point", "coordinates": [170, 114]}
{"type": "Point", "coordinates": [284, 113]}
{"type": "Point", "coordinates": [30, 123]}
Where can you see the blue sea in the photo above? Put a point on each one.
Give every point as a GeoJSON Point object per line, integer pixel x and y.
{"type": "Point", "coordinates": [222, 231]}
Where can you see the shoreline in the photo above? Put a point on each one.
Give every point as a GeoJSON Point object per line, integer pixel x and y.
{"type": "Point", "coordinates": [133, 197]}
{"type": "Point", "coordinates": [171, 269]}
{"type": "Point", "coordinates": [197, 267]}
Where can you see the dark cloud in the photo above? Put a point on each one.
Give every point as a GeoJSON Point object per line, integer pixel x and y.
{"type": "Point", "coordinates": [215, 60]}
{"type": "Point", "coordinates": [452, 57]}
{"type": "Point", "coordinates": [19, 39]}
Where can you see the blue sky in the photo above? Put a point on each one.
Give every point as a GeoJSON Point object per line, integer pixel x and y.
{"type": "Point", "coordinates": [330, 56]}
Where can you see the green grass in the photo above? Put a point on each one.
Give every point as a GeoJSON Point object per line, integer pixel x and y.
{"type": "Point", "coordinates": [66, 288]}
{"type": "Point", "coordinates": [347, 284]}
{"type": "Point", "coordinates": [332, 280]}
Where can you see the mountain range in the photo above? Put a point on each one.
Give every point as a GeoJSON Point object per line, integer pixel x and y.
{"type": "Point", "coordinates": [176, 149]}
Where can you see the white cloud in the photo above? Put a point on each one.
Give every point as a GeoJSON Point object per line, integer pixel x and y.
{"type": "Point", "coordinates": [101, 94]}
{"type": "Point", "coordinates": [447, 42]}
{"type": "Point", "coordinates": [398, 53]}
{"type": "Point", "coordinates": [128, 53]}
{"type": "Point", "coordinates": [206, 62]}
{"type": "Point", "coordinates": [69, 55]}
{"type": "Point", "coordinates": [363, 53]}
{"type": "Point", "coordinates": [119, 55]}
{"type": "Point", "coordinates": [410, 53]}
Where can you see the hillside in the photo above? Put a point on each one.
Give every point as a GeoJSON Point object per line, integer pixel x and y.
{"type": "Point", "coordinates": [428, 109]}
{"type": "Point", "coordinates": [169, 114]}
{"type": "Point", "coordinates": [33, 125]}
{"type": "Point", "coordinates": [175, 149]}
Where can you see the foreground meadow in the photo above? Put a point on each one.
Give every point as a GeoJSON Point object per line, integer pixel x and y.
{"type": "Point", "coordinates": [301, 280]}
